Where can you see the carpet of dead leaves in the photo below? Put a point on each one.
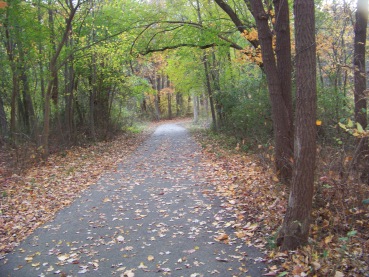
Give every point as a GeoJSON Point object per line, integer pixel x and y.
{"type": "Point", "coordinates": [339, 240]}
{"type": "Point", "coordinates": [339, 243]}
{"type": "Point", "coordinates": [31, 197]}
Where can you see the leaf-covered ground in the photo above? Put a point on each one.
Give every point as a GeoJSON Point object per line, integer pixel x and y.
{"type": "Point", "coordinates": [154, 214]}
{"type": "Point", "coordinates": [32, 198]}
{"type": "Point", "coordinates": [247, 186]}
{"type": "Point", "coordinates": [339, 243]}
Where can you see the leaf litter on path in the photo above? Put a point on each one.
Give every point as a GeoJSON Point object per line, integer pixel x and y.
{"type": "Point", "coordinates": [31, 199]}
{"type": "Point", "coordinates": [147, 216]}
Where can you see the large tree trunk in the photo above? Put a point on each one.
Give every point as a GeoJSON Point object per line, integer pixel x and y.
{"type": "Point", "coordinates": [360, 94]}
{"type": "Point", "coordinates": [284, 67]}
{"type": "Point", "coordinates": [280, 101]}
{"type": "Point", "coordinates": [359, 62]}
{"type": "Point", "coordinates": [295, 229]}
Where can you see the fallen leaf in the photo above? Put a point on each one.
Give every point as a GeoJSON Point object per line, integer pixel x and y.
{"type": "Point", "coordinates": [316, 265]}
{"type": "Point", "coordinates": [142, 265]}
{"type": "Point", "coordinates": [222, 237]}
{"type": "Point", "coordinates": [339, 274]}
{"type": "Point", "coordinates": [63, 257]}
{"type": "Point", "coordinates": [128, 273]}
{"type": "Point", "coordinates": [120, 239]}
{"type": "Point", "coordinates": [328, 239]}
{"type": "Point", "coordinates": [222, 260]}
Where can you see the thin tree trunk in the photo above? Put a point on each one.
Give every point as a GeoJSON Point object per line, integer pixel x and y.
{"type": "Point", "coordinates": [296, 224]}
{"type": "Point", "coordinates": [170, 116]}
{"type": "Point", "coordinates": [29, 113]}
{"type": "Point", "coordinates": [15, 80]}
{"type": "Point", "coordinates": [210, 92]}
{"type": "Point", "coordinates": [40, 51]}
{"type": "Point", "coordinates": [195, 108]}
{"type": "Point", "coordinates": [69, 95]}
{"type": "Point", "coordinates": [178, 104]}
{"type": "Point", "coordinates": [206, 105]}
{"type": "Point", "coordinates": [92, 99]}
{"type": "Point", "coordinates": [320, 67]}
{"type": "Point", "coordinates": [55, 87]}
{"type": "Point", "coordinates": [53, 72]}
{"type": "Point", "coordinates": [3, 120]}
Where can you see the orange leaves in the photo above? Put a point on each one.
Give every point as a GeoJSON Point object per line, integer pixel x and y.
{"type": "Point", "coordinates": [222, 237]}
{"type": "Point", "coordinates": [254, 55]}
{"type": "Point", "coordinates": [3, 5]}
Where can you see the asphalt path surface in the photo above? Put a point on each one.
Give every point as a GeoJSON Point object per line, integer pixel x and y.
{"type": "Point", "coordinates": [148, 218]}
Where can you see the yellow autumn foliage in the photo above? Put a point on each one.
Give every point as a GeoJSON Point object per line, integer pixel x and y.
{"type": "Point", "coordinates": [251, 35]}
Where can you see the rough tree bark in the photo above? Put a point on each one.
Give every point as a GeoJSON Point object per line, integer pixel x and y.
{"type": "Point", "coordinates": [284, 67]}
{"type": "Point", "coordinates": [280, 100]}
{"type": "Point", "coordinates": [295, 229]}
{"type": "Point", "coordinates": [359, 62]}
{"type": "Point", "coordinates": [360, 82]}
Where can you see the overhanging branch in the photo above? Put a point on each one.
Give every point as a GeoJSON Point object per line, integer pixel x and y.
{"type": "Point", "coordinates": [171, 47]}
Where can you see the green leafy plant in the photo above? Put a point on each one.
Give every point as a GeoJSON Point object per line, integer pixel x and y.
{"type": "Point", "coordinates": [354, 128]}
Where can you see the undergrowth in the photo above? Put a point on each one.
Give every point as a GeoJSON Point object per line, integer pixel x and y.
{"type": "Point", "coordinates": [339, 235]}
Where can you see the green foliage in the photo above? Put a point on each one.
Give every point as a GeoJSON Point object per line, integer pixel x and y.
{"type": "Point", "coordinates": [354, 129]}
{"type": "Point", "coordinates": [246, 106]}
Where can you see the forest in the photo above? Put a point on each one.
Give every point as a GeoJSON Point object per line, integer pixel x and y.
{"type": "Point", "coordinates": [282, 81]}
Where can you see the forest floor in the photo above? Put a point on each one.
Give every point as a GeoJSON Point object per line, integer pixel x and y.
{"type": "Point", "coordinates": [248, 190]}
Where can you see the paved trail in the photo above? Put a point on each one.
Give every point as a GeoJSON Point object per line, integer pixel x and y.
{"type": "Point", "coordinates": [149, 218]}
